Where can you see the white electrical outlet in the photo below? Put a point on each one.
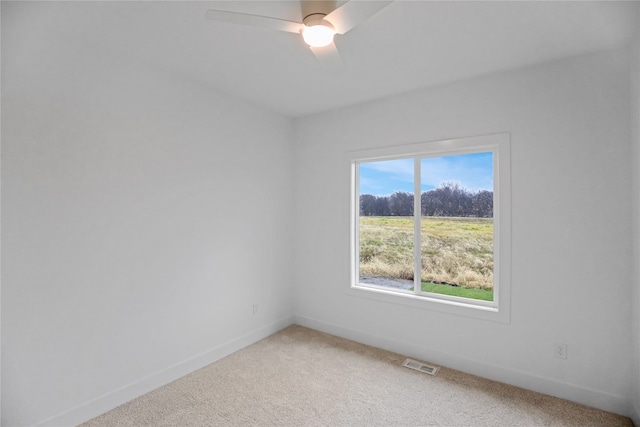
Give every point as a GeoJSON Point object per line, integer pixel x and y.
{"type": "Point", "coordinates": [255, 308]}
{"type": "Point", "coordinates": [560, 350]}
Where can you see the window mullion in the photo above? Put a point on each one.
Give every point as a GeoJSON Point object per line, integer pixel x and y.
{"type": "Point", "coordinates": [417, 218]}
{"type": "Point", "coordinates": [355, 225]}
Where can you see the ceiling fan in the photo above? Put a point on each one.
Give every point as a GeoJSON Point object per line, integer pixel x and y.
{"type": "Point", "coordinates": [321, 20]}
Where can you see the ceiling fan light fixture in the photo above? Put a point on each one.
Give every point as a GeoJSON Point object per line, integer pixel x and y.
{"type": "Point", "coordinates": [318, 35]}
{"type": "Point", "coordinates": [317, 32]}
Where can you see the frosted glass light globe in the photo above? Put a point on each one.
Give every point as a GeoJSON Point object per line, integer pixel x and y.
{"type": "Point", "coordinates": [318, 35]}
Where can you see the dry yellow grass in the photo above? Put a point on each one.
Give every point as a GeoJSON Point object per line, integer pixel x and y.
{"type": "Point", "coordinates": [454, 250]}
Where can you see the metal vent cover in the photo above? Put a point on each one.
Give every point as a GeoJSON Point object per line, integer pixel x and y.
{"type": "Point", "coordinates": [420, 366]}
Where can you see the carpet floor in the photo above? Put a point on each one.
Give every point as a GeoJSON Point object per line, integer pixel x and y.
{"type": "Point", "coordinates": [302, 377]}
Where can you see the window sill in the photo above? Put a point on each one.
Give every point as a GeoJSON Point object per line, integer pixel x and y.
{"type": "Point", "coordinates": [442, 305]}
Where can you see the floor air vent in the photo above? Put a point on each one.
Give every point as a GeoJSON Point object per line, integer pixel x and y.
{"type": "Point", "coordinates": [422, 367]}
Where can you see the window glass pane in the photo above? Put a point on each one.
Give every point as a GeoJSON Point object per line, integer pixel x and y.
{"type": "Point", "coordinates": [386, 223]}
{"type": "Point", "coordinates": [457, 225]}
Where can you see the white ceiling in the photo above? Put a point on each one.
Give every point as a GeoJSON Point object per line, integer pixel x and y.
{"type": "Point", "coordinates": [406, 46]}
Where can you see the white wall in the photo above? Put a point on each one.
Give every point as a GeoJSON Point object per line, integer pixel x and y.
{"type": "Point", "coordinates": [143, 216]}
{"type": "Point", "coordinates": [571, 216]}
{"type": "Point", "coordinates": [635, 158]}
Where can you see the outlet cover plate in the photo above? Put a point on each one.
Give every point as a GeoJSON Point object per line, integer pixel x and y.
{"type": "Point", "coordinates": [560, 350]}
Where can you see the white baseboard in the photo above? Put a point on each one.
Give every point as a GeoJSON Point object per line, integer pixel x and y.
{"type": "Point", "coordinates": [586, 396]}
{"type": "Point", "coordinates": [108, 401]}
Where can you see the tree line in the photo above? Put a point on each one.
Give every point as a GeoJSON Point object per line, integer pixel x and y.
{"type": "Point", "coordinates": [449, 199]}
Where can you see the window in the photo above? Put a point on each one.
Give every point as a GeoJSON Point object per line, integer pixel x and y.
{"type": "Point", "coordinates": [430, 222]}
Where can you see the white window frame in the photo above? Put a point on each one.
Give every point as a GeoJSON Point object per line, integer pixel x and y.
{"type": "Point", "coordinates": [499, 145]}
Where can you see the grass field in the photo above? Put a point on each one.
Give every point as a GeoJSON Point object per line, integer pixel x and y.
{"type": "Point", "coordinates": [481, 294]}
{"type": "Point", "coordinates": [454, 250]}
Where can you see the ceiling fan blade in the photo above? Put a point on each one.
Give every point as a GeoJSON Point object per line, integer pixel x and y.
{"type": "Point", "coordinates": [254, 20]}
{"type": "Point", "coordinates": [328, 56]}
{"type": "Point", "coordinates": [353, 13]}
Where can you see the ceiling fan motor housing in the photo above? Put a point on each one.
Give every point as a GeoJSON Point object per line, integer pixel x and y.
{"type": "Point", "coordinates": [316, 19]}
{"type": "Point", "coordinates": [312, 7]}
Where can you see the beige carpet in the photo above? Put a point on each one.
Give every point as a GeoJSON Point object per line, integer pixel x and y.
{"type": "Point", "coordinates": [301, 377]}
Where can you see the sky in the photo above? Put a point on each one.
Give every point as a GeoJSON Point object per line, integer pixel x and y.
{"type": "Point", "coordinates": [472, 171]}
